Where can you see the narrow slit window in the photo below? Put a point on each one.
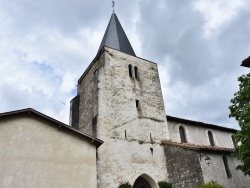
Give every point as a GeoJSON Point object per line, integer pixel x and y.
{"type": "Point", "coordinates": [229, 175]}
{"type": "Point", "coordinates": [182, 134]}
{"type": "Point", "coordinates": [151, 139]}
{"type": "Point", "coordinates": [152, 151]}
{"type": "Point", "coordinates": [136, 73]}
{"type": "Point", "coordinates": [130, 71]}
{"type": "Point", "coordinates": [137, 103]}
{"type": "Point", "coordinates": [211, 138]}
{"type": "Point", "coordinates": [94, 124]}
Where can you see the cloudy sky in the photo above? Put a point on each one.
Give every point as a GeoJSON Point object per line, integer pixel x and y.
{"type": "Point", "coordinates": [198, 45]}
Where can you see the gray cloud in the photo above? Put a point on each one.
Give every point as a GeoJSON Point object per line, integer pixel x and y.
{"type": "Point", "coordinates": [202, 70]}
{"type": "Point", "coordinates": [45, 46]}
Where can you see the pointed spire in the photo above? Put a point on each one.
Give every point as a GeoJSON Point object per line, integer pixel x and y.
{"type": "Point", "coordinates": [116, 38]}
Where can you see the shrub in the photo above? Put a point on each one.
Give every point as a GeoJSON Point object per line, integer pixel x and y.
{"type": "Point", "coordinates": [125, 185]}
{"type": "Point", "coordinates": [163, 184]}
{"type": "Point", "coordinates": [211, 184]}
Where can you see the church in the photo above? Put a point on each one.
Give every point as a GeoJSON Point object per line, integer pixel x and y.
{"type": "Point", "coordinates": [118, 132]}
{"type": "Point", "coordinates": [119, 100]}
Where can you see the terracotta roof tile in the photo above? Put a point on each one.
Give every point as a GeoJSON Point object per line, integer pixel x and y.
{"type": "Point", "coordinates": [197, 147]}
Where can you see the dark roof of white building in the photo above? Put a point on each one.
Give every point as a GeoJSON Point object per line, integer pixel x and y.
{"type": "Point", "coordinates": [31, 111]}
{"type": "Point", "coordinates": [198, 123]}
{"type": "Point", "coordinates": [116, 38]}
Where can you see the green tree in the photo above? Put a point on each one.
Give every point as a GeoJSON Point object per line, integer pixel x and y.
{"type": "Point", "coordinates": [211, 184]}
{"type": "Point", "coordinates": [124, 185]}
{"type": "Point", "coordinates": [163, 184]}
{"type": "Point", "coordinates": [240, 110]}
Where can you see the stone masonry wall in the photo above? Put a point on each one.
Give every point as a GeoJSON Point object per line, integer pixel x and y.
{"type": "Point", "coordinates": [132, 135]}
{"type": "Point", "coordinates": [183, 166]}
{"type": "Point", "coordinates": [88, 92]}
{"type": "Point", "coordinates": [216, 171]}
{"type": "Point", "coordinates": [187, 168]}
{"type": "Point", "coordinates": [122, 160]}
{"type": "Point", "coordinates": [117, 95]}
{"type": "Point", "coordinates": [74, 112]}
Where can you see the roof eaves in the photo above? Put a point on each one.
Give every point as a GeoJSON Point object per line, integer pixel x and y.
{"type": "Point", "coordinates": [60, 124]}
{"type": "Point", "coordinates": [191, 122]}
{"type": "Point", "coordinates": [197, 147]}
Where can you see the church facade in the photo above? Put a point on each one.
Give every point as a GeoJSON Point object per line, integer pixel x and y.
{"type": "Point", "coordinates": [119, 100]}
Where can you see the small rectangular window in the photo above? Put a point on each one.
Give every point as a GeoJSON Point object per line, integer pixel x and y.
{"type": "Point", "coordinates": [137, 102]}
{"type": "Point", "coordinates": [94, 124]}
{"type": "Point", "coordinates": [130, 70]}
{"type": "Point", "coordinates": [136, 73]}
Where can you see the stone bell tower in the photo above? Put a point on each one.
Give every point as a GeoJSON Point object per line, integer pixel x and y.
{"type": "Point", "coordinates": [119, 100]}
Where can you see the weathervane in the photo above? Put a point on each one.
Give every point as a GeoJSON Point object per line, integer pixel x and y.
{"type": "Point", "coordinates": [113, 2]}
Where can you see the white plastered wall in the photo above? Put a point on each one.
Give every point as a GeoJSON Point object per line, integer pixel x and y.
{"type": "Point", "coordinates": [37, 154]}
{"type": "Point", "coordinates": [199, 135]}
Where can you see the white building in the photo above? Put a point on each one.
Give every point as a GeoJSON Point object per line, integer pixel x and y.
{"type": "Point", "coordinates": [39, 151]}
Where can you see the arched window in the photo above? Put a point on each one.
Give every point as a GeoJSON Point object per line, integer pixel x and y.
{"type": "Point", "coordinates": [234, 141]}
{"type": "Point", "coordinates": [130, 70]}
{"type": "Point", "coordinates": [136, 73]}
{"type": "Point", "coordinates": [182, 134]}
{"type": "Point", "coordinates": [225, 161]}
{"type": "Point", "coordinates": [211, 138]}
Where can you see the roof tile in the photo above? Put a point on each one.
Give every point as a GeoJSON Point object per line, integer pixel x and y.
{"type": "Point", "coordinates": [197, 147]}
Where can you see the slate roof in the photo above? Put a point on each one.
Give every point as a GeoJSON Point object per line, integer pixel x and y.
{"type": "Point", "coordinates": [246, 62]}
{"type": "Point", "coordinates": [116, 38]}
{"type": "Point", "coordinates": [198, 123]}
{"type": "Point", "coordinates": [31, 111]}
{"type": "Point", "coordinates": [197, 147]}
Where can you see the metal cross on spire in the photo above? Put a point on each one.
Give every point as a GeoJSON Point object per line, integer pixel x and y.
{"type": "Point", "coordinates": [113, 6]}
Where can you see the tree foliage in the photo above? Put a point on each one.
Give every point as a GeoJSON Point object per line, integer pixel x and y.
{"type": "Point", "coordinates": [211, 184]}
{"type": "Point", "coordinates": [124, 185]}
{"type": "Point", "coordinates": [240, 110]}
{"type": "Point", "coordinates": [163, 184]}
